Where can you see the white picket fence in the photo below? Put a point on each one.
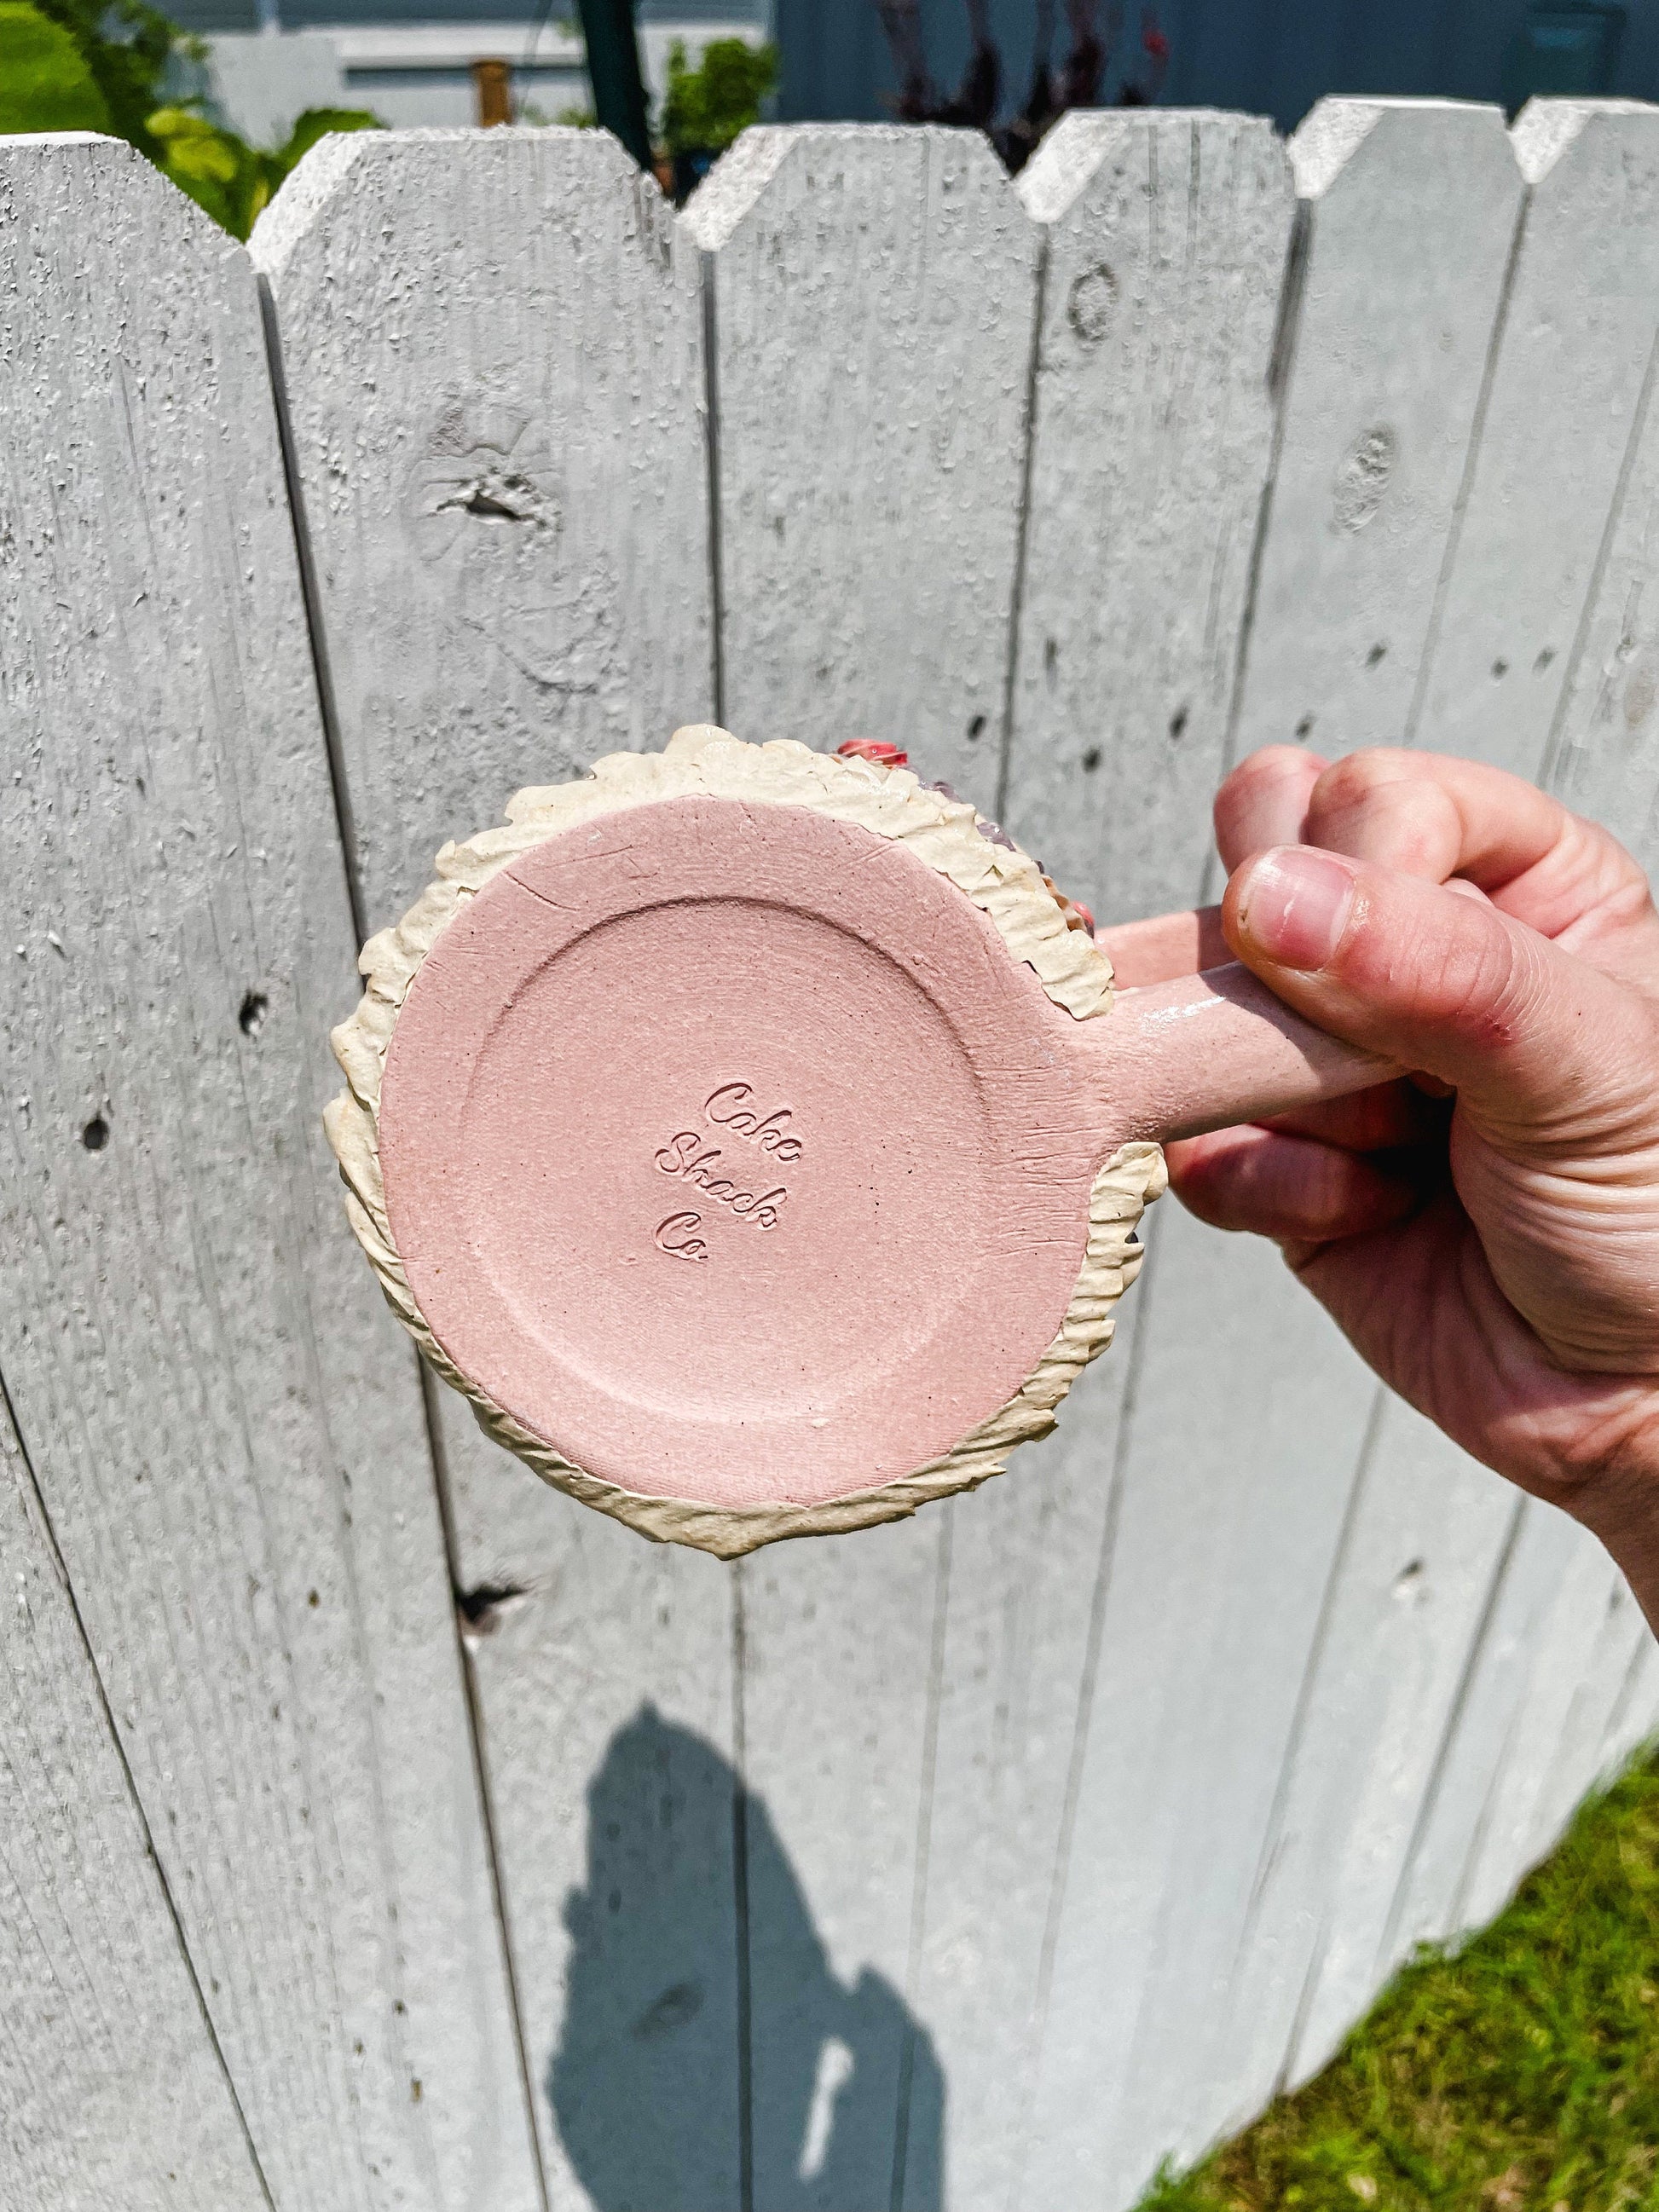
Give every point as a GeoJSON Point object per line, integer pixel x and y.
{"type": "Point", "coordinates": [981, 1861]}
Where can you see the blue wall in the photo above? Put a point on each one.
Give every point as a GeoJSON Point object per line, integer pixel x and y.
{"type": "Point", "coordinates": [1271, 57]}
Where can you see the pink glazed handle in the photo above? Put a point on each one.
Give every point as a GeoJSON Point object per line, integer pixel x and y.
{"type": "Point", "coordinates": [1205, 1051]}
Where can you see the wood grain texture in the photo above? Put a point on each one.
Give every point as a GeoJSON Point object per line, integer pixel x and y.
{"type": "Point", "coordinates": [1404, 1635]}
{"type": "Point", "coordinates": [1031, 1564]}
{"type": "Point", "coordinates": [604, 1667]}
{"type": "Point", "coordinates": [1230, 1511]}
{"type": "Point", "coordinates": [1165, 239]}
{"type": "Point", "coordinates": [1411, 213]}
{"type": "Point", "coordinates": [514, 319]}
{"type": "Point", "coordinates": [1400, 1627]}
{"type": "Point", "coordinates": [1475, 1839]}
{"type": "Point", "coordinates": [1303, 1938]}
{"type": "Point", "coordinates": [491, 350]}
{"type": "Point", "coordinates": [1576, 350]}
{"type": "Point", "coordinates": [115, 2098]}
{"type": "Point", "coordinates": [220, 1421]}
{"type": "Point", "coordinates": [1165, 242]}
{"type": "Point", "coordinates": [1568, 1689]}
{"type": "Point", "coordinates": [1603, 760]}
{"type": "Point", "coordinates": [1540, 1683]}
{"type": "Point", "coordinates": [872, 295]}
{"type": "Point", "coordinates": [840, 1692]}
{"type": "Point", "coordinates": [1634, 1719]}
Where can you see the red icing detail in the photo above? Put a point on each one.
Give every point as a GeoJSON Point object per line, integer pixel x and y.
{"type": "Point", "coordinates": [873, 749]}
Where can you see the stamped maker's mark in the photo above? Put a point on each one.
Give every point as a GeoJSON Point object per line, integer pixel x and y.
{"type": "Point", "coordinates": [690, 1158]}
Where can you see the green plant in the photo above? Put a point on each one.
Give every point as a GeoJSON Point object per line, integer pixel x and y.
{"type": "Point", "coordinates": [705, 109]}
{"type": "Point", "coordinates": [45, 81]}
{"type": "Point", "coordinates": [99, 65]}
{"type": "Point", "coordinates": [1518, 2074]}
{"type": "Point", "coordinates": [223, 173]}
{"type": "Point", "coordinates": [125, 46]}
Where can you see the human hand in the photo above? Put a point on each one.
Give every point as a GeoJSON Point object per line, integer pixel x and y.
{"type": "Point", "coordinates": [1487, 1236]}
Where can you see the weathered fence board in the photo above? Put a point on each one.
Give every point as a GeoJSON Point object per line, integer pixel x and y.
{"type": "Point", "coordinates": [840, 1688]}
{"type": "Point", "coordinates": [1028, 1563]}
{"type": "Point", "coordinates": [1408, 1608]}
{"type": "Point", "coordinates": [1411, 213]}
{"type": "Point", "coordinates": [491, 354]}
{"type": "Point", "coordinates": [1353, 316]}
{"type": "Point", "coordinates": [469, 325]}
{"type": "Point", "coordinates": [116, 2099]}
{"type": "Point", "coordinates": [1603, 760]}
{"type": "Point", "coordinates": [1164, 250]}
{"type": "Point", "coordinates": [1574, 348]}
{"type": "Point", "coordinates": [1165, 242]}
{"type": "Point", "coordinates": [219, 1419]}
{"type": "Point", "coordinates": [1577, 342]}
{"type": "Point", "coordinates": [1550, 1571]}
{"type": "Point", "coordinates": [606, 1689]}
{"type": "Point", "coordinates": [1612, 1637]}
{"type": "Point", "coordinates": [1228, 1513]}
{"type": "Point", "coordinates": [1562, 1644]}
{"type": "Point", "coordinates": [1635, 1711]}
{"type": "Point", "coordinates": [872, 297]}
{"type": "Point", "coordinates": [1307, 1926]}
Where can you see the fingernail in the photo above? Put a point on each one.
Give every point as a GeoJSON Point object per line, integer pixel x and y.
{"type": "Point", "coordinates": [1295, 905]}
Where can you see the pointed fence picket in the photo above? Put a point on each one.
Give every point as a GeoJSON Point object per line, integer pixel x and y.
{"type": "Point", "coordinates": [491, 364]}
{"type": "Point", "coordinates": [223, 1429]}
{"type": "Point", "coordinates": [384, 1830]}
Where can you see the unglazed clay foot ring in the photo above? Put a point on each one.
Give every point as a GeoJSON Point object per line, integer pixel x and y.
{"type": "Point", "coordinates": [712, 1128]}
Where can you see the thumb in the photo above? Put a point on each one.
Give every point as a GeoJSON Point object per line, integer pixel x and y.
{"type": "Point", "coordinates": [1530, 1037]}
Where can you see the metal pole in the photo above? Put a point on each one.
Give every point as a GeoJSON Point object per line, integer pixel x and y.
{"type": "Point", "coordinates": [613, 72]}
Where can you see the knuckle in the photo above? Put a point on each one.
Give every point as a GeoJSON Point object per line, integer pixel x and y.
{"type": "Point", "coordinates": [1452, 961]}
{"type": "Point", "coordinates": [1358, 776]}
{"type": "Point", "coordinates": [1382, 803]}
{"type": "Point", "coordinates": [1272, 764]}
{"type": "Point", "coordinates": [1272, 760]}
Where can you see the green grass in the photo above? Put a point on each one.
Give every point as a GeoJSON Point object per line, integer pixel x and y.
{"type": "Point", "coordinates": [1521, 2072]}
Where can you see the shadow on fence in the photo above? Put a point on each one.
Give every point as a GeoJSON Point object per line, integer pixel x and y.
{"type": "Point", "coordinates": [650, 2079]}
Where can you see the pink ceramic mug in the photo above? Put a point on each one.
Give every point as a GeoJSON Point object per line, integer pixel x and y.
{"type": "Point", "coordinates": [758, 1143]}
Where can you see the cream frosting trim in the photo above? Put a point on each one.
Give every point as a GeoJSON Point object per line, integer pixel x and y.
{"type": "Point", "coordinates": [1005, 884]}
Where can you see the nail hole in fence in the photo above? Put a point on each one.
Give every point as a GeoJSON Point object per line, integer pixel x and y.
{"type": "Point", "coordinates": [250, 1017]}
{"type": "Point", "coordinates": [95, 1135]}
{"type": "Point", "coordinates": [484, 1608]}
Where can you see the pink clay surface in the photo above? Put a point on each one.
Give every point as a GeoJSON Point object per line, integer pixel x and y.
{"type": "Point", "coordinates": [731, 1153]}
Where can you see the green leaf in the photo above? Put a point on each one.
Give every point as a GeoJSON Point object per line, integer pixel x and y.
{"type": "Point", "coordinates": [705, 109]}
{"type": "Point", "coordinates": [317, 122]}
{"type": "Point", "coordinates": [45, 81]}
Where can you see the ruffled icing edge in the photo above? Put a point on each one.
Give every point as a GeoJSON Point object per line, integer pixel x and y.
{"type": "Point", "coordinates": [1005, 884]}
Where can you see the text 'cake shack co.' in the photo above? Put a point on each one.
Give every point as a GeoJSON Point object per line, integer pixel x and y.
{"type": "Point", "coordinates": [690, 1159]}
